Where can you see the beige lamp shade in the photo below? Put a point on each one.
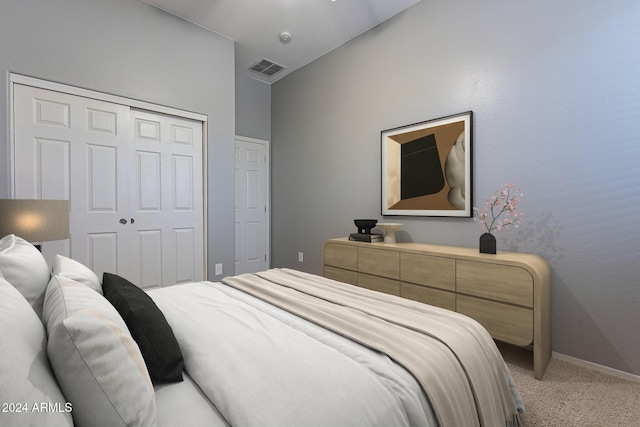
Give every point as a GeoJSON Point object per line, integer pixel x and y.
{"type": "Point", "coordinates": [35, 220]}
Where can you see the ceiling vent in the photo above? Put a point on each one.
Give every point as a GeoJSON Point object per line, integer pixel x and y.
{"type": "Point", "coordinates": [266, 67]}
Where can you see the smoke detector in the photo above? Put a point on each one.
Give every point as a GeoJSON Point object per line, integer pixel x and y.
{"type": "Point", "coordinates": [285, 37]}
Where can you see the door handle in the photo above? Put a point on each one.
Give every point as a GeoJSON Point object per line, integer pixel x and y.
{"type": "Point", "coordinates": [122, 221]}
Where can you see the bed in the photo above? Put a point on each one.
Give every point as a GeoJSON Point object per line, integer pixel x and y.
{"type": "Point", "coordinates": [276, 348]}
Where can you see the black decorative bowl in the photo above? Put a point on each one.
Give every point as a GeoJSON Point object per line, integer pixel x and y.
{"type": "Point", "coordinates": [365, 225]}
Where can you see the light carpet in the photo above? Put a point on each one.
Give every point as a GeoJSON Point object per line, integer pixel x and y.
{"type": "Point", "coordinates": [572, 396]}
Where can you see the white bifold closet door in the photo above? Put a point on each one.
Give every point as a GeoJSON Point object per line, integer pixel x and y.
{"type": "Point", "coordinates": [134, 179]}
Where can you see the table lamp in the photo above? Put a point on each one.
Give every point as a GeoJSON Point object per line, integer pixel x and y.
{"type": "Point", "coordinates": [36, 221]}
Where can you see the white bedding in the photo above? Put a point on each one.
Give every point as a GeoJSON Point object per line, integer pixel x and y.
{"type": "Point", "coordinates": [452, 356]}
{"type": "Point", "coordinates": [262, 366]}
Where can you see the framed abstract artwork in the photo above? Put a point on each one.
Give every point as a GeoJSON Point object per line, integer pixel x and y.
{"type": "Point", "coordinates": [427, 168]}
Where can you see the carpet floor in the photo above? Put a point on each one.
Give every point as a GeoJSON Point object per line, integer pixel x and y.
{"type": "Point", "coordinates": [572, 396]}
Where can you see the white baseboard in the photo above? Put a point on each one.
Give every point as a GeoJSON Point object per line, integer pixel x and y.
{"type": "Point", "coordinates": [601, 368]}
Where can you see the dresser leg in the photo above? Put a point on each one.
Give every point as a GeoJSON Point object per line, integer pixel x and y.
{"type": "Point", "coordinates": [541, 359]}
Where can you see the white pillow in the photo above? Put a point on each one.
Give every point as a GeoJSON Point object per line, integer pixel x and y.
{"type": "Point", "coordinates": [97, 363]}
{"type": "Point", "coordinates": [74, 270]}
{"type": "Point", "coordinates": [25, 268]}
{"type": "Point", "coordinates": [26, 378]}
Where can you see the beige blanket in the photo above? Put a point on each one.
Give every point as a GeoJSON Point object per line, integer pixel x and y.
{"type": "Point", "coordinates": [452, 356]}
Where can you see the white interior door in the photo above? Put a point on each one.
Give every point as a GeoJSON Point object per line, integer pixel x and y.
{"type": "Point", "coordinates": [167, 207]}
{"type": "Point", "coordinates": [71, 147]}
{"type": "Point", "coordinates": [134, 181]}
{"type": "Point", "coordinates": [252, 209]}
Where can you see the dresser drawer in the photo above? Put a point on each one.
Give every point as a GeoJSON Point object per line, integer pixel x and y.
{"type": "Point", "coordinates": [504, 322]}
{"type": "Point", "coordinates": [379, 262]}
{"type": "Point", "coordinates": [429, 296]}
{"type": "Point", "coordinates": [428, 270]}
{"type": "Point", "coordinates": [342, 256]}
{"type": "Point", "coordinates": [380, 284]}
{"type": "Point", "coordinates": [341, 275]}
{"type": "Point", "coordinates": [498, 282]}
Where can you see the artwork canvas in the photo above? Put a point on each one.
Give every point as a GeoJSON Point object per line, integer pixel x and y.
{"type": "Point", "coordinates": [426, 168]}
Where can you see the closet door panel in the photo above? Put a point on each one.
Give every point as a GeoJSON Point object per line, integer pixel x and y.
{"type": "Point", "coordinates": [70, 147]}
{"type": "Point", "coordinates": [148, 174]}
{"type": "Point", "coordinates": [102, 252]}
{"type": "Point", "coordinates": [102, 184]}
{"type": "Point", "coordinates": [150, 259]}
{"type": "Point", "coordinates": [53, 180]}
{"type": "Point", "coordinates": [99, 172]}
{"type": "Point", "coordinates": [169, 194]}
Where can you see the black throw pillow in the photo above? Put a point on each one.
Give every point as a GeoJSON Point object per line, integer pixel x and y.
{"type": "Point", "coordinates": [148, 327]}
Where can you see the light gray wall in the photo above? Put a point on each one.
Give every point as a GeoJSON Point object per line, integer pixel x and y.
{"type": "Point", "coordinates": [128, 48]}
{"type": "Point", "coordinates": [253, 108]}
{"type": "Point", "coordinates": [555, 92]}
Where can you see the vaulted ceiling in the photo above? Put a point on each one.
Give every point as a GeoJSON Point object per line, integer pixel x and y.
{"type": "Point", "coordinates": [288, 33]}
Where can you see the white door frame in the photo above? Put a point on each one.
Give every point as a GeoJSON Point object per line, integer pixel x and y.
{"type": "Point", "coordinates": [133, 103]}
{"type": "Point", "coordinates": [268, 190]}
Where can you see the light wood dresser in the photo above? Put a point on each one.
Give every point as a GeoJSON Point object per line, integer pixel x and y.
{"type": "Point", "coordinates": [508, 293]}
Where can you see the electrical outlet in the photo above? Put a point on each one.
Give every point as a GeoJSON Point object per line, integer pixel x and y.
{"type": "Point", "coordinates": [218, 269]}
{"type": "Point", "coordinates": [300, 257]}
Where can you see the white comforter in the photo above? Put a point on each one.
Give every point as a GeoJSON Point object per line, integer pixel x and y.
{"type": "Point", "coordinates": [262, 367]}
